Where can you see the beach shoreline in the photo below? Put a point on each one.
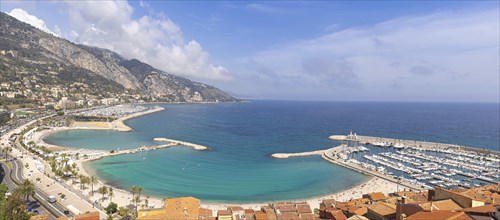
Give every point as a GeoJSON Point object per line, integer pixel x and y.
{"type": "Point", "coordinates": [123, 197]}
{"type": "Point", "coordinates": [116, 125]}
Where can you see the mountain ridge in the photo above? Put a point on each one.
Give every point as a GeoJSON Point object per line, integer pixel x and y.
{"type": "Point", "coordinates": [41, 62]}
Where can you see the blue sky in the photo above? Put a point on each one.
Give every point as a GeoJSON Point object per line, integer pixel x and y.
{"type": "Point", "coordinates": [349, 51]}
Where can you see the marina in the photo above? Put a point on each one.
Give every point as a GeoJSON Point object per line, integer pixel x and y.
{"type": "Point", "coordinates": [423, 163]}
{"type": "Point", "coordinates": [420, 164]}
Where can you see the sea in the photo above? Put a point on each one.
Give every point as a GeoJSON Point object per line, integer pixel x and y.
{"type": "Point", "coordinates": [238, 167]}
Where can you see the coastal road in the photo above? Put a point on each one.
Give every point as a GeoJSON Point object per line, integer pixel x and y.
{"type": "Point", "coordinates": [12, 178]}
{"type": "Point", "coordinates": [47, 186]}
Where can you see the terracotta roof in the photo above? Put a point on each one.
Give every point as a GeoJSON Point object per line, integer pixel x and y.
{"type": "Point", "coordinates": [447, 204]}
{"type": "Point", "coordinates": [361, 211]}
{"type": "Point", "coordinates": [40, 217]}
{"type": "Point", "coordinates": [271, 215]}
{"type": "Point", "coordinates": [376, 196]}
{"type": "Point", "coordinates": [88, 216]}
{"type": "Point", "coordinates": [383, 208]}
{"type": "Point", "coordinates": [62, 218]}
{"type": "Point", "coordinates": [260, 215]}
{"type": "Point", "coordinates": [249, 211]}
{"type": "Point", "coordinates": [181, 208]}
{"type": "Point", "coordinates": [416, 198]}
{"type": "Point", "coordinates": [495, 196]}
{"type": "Point", "coordinates": [285, 207]}
{"type": "Point", "coordinates": [224, 212]}
{"type": "Point", "coordinates": [307, 216]}
{"type": "Point", "coordinates": [357, 217]}
{"type": "Point", "coordinates": [481, 209]}
{"type": "Point", "coordinates": [439, 215]}
{"type": "Point", "coordinates": [337, 214]}
{"type": "Point", "coordinates": [151, 214]}
{"type": "Point", "coordinates": [203, 212]}
{"type": "Point", "coordinates": [235, 208]}
{"type": "Point", "coordinates": [288, 216]}
{"type": "Point", "coordinates": [303, 208]}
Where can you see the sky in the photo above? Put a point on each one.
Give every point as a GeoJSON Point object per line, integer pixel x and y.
{"type": "Point", "coordinates": [437, 51]}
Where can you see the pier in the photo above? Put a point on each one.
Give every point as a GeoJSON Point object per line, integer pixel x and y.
{"type": "Point", "coordinates": [301, 154]}
{"type": "Point", "coordinates": [177, 142]}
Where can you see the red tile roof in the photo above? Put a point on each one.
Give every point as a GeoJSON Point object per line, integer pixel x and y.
{"type": "Point", "coordinates": [439, 215]}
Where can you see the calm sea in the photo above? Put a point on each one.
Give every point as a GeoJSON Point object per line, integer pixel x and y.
{"type": "Point", "coordinates": [241, 136]}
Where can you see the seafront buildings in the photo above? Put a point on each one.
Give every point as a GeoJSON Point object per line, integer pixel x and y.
{"type": "Point", "coordinates": [436, 203]}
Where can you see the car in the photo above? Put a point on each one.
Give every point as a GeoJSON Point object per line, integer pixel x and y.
{"type": "Point", "coordinates": [66, 212]}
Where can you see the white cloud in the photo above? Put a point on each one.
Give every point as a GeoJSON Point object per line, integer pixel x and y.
{"type": "Point", "coordinates": [444, 56]}
{"type": "Point", "coordinates": [25, 17]}
{"type": "Point", "coordinates": [155, 40]}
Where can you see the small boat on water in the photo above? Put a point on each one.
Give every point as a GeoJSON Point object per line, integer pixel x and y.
{"type": "Point", "coordinates": [399, 146]}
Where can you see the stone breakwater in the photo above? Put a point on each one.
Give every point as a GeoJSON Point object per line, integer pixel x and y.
{"type": "Point", "coordinates": [300, 154]}
{"type": "Point", "coordinates": [177, 142]}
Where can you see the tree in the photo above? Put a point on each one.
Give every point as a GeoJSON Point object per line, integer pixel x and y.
{"type": "Point", "coordinates": [14, 208]}
{"type": "Point", "coordinates": [112, 208]}
{"type": "Point", "coordinates": [139, 191]}
{"type": "Point", "coordinates": [84, 180]}
{"type": "Point", "coordinates": [93, 180]}
{"type": "Point", "coordinates": [6, 150]}
{"type": "Point", "coordinates": [124, 211]}
{"type": "Point", "coordinates": [111, 194]}
{"type": "Point", "coordinates": [26, 189]}
{"type": "Point", "coordinates": [146, 201]}
{"type": "Point", "coordinates": [3, 189]}
{"type": "Point", "coordinates": [103, 190]}
{"type": "Point", "coordinates": [136, 190]}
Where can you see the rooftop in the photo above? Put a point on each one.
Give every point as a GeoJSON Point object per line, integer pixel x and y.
{"type": "Point", "coordinates": [445, 215]}
{"type": "Point", "coordinates": [383, 208]}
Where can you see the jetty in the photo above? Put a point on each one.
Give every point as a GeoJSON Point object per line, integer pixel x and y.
{"type": "Point", "coordinates": [300, 154]}
{"type": "Point", "coordinates": [183, 143]}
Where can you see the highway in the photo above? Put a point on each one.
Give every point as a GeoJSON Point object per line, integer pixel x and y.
{"type": "Point", "coordinates": [13, 178]}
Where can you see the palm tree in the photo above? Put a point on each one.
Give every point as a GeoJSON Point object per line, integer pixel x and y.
{"type": "Point", "coordinates": [13, 208]}
{"type": "Point", "coordinates": [146, 201]}
{"type": "Point", "coordinates": [123, 211]}
{"type": "Point", "coordinates": [103, 191]}
{"type": "Point", "coordinates": [110, 193]}
{"type": "Point", "coordinates": [134, 189]}
{"type": "Point", "coordinates": [93, 180]}
{"type": "Point", "coordinates": [83, 181]}
{"type": "Point", "coordinates": [136, 200]}
{"type": "Point", "coordinates": [139, 191]}
{"type": "Point", "coordinates": [26, 189]}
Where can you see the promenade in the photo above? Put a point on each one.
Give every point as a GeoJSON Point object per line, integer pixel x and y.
{"type": "Point", "coordinates": [72, 202]}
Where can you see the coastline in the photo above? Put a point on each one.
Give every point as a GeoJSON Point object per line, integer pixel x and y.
{"type": "Point", "coordinates": [116, 125]}
{"type": "Point", "coordinates": [123, 197]}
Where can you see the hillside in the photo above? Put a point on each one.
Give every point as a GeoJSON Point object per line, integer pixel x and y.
{"type": "Point", "coordinates": [39, 67]}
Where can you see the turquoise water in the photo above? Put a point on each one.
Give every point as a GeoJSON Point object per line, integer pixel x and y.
{"type": "Point", "coordinates": [241, 136]}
